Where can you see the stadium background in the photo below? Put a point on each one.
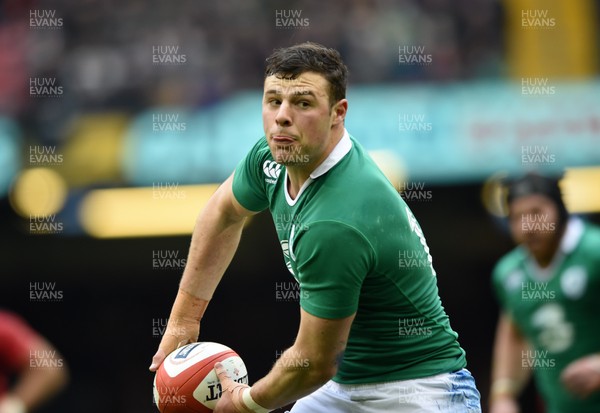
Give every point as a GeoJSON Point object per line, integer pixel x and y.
{"type": "Point", "coordinates": [118, 117]}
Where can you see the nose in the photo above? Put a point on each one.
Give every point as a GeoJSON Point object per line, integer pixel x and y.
{"type": "Point", "coordinates": [283, 117]}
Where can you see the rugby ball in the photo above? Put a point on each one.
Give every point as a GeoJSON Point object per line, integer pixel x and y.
{"type": "Point", "coordinates": [186, 381]}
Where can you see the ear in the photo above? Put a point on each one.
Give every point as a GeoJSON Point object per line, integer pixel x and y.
{"type": "Point", "coordinates": [338, 112]}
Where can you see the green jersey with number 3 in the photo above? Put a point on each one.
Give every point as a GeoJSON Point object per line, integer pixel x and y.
{"type": "Point", "coordinates": [354, 246]}
{"type": "Point", "coordinates": [557, 310]}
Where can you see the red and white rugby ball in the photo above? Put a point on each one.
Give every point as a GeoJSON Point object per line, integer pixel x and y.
{"type": "Point", "coordinates": [186, 381]}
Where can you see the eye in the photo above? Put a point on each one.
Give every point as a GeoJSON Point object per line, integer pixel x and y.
{"type": "Point", "coordinates": [304, 104]}
{"type": "Point", "coordinates": [274, 102]}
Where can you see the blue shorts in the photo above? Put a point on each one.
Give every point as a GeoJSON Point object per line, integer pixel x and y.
{"type": "Point", "coordinates": [446, 393]}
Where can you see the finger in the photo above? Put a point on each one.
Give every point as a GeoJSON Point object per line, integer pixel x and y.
{"type": "Point", "coordinates": [575, 386]}
{"type": "Point", "coordinates": [584, 389]}
{"type": "Point", "coordinates": [158, 358]}
{"type": "Point", "coordinates": [569, 385]}
{"type": "Point", "coordinates": [167, 345]}
{"type": "Point", "coordinates": [585, 394]}
{"type": "Point", "coordinates": [223, 375]}
{"type": "Point", "coordinates": [183, 343]}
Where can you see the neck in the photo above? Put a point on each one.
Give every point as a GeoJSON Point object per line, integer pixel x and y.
{"type": "Point", "coordinates": [545, 259]}
{"type": "Point", "coordinates": [299, 174]}
{"type": "Point", "coordinates": [296, 179]}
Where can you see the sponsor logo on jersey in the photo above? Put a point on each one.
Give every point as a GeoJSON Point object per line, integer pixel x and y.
{"type": "Point", "coordinates": [272, 170]}
{"type": "Point", "coordinates": [574, 282]}
{"type": "Point", "coordinates": [514, 280]}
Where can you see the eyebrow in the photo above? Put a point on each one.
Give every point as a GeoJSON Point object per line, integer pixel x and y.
{"type": "Point", "coordinates": [295, 93]}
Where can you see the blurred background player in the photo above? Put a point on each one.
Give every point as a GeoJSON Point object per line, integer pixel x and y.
{"type": "Point", "coordinates": [373, 334]}
{"type": "Point", "coordinates": [549, 289]}
{"type": "Point", "coordinates": [34, 367]}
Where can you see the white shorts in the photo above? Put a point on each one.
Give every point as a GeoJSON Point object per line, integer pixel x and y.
{"type": "Point", "coordinates": [445, 393]}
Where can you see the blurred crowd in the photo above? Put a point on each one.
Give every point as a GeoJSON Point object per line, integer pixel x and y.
{"type": "Point", "coordinates": [105, 54]}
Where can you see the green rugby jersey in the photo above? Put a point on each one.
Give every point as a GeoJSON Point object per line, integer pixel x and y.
{"type": "Point", "coordinates": [353, 245]}
{"type": "Point", "coordinates": [557, 311]}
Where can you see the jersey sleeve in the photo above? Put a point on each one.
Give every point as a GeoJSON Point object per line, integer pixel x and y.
{"type": "Point", "coordinates": [332, 260]}
{"type": "Point", "coordinates": [248, 179]}
{"type": "Point", "coordinates": [16, 341]}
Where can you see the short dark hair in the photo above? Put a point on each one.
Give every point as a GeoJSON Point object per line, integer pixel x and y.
{"type": "Point", "coordinates": [291, 62]}
{"type": "Point", "coordinates": [533, 183]}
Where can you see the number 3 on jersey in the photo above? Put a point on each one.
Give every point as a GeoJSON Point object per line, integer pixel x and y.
{"type": "Point", "coordinates": [414, 226]}
{"type": "Point", "coordinates": [556, 333]}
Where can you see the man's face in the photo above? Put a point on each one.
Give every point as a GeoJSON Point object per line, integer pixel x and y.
{"type": "Point", "coordinates": [298, 119]}
{"type": "Point", "coordinates": [534, 223]}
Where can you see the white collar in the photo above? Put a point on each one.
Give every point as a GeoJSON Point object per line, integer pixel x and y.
{"type": "Point", "coordinates": [572, 235]}
{"type": "Point", "coordinates": [336, 155]}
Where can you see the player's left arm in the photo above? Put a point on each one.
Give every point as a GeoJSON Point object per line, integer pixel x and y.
{"type": "Point", "coordinates": [582, 376]}
{"type": "Point", "coordinates": [301, 369]}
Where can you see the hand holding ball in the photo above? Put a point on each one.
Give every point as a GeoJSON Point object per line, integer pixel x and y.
{"type": "Point", "coordinates": [187, 382]}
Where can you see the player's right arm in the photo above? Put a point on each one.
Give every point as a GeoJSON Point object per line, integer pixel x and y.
{"type": "Point", "coordinates": [508, 376]}
{"type": "Point", "coordinates": [214, 241]}
{"type": "Point", "coordinates": [39, 369]}
{"type": "Point", "coordinates": [36, 385]}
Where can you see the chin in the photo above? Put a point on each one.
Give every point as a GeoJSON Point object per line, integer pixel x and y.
{"type": "Point", "coordinates": [539, 251]}
{"type": "Point", "coordinates": [284, 163]}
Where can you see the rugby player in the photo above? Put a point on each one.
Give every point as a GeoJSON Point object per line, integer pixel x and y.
{"type": "Point", "coordinates": [372, 327]}
{"type": "Point", "coordinates": [549, 289]}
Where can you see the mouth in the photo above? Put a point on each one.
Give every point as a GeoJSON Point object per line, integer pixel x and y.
{"type": "Point", "coordinates": [533, 242]}
{"type": "Point", "coordinates": [282, 139]}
